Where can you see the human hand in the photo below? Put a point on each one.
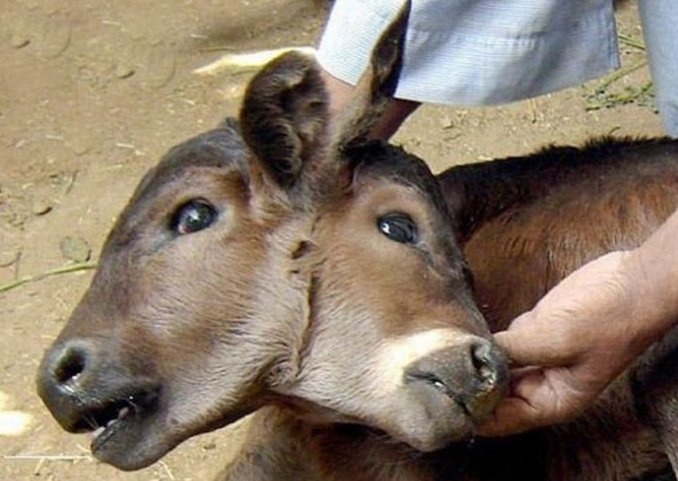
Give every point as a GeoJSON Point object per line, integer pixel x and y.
{"type": "Point", "coordinates": [576, 340]}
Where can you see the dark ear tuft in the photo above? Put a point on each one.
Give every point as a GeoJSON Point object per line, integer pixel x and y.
{"type": "Point", "coordinates": [284, 116]}
{"type": "Point", "coordinates": [387, 56]}
{"type": "Point", "coordinates": [230, 123]}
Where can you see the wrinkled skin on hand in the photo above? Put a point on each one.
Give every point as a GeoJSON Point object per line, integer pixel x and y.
{"type": "Point", "coordinates": [576, 340]}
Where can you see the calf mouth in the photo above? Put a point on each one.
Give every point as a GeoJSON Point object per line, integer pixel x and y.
{"type": "Point", "coordinates": [119, 415]}
{"type": "Point", "coordinates": [117, 418]}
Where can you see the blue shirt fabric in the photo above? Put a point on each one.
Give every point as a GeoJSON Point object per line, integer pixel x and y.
{"type": "Point", "coordinates": [477, 52]}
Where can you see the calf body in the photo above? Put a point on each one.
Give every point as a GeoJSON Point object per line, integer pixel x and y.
{"type": "Point", "coordinates": [283, 264]}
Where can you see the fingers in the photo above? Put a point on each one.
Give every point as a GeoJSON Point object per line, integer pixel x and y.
{"type": "Point", "coordinates": [533, 345]}
{"type": "Point", "coordinates": [532, 403]}
{"type": "Point", "coordinates": [512, 416]}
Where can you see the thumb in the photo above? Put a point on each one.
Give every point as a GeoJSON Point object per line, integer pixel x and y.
{"type": "Point", "coordinates": [512, 416]}
{"type": "Point", "coordinates": [530, 343]}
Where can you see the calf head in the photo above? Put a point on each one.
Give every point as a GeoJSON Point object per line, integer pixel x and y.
{"type": "Point", "coordinates": [278, 259]}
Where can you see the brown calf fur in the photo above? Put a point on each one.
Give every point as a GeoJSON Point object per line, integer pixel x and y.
{"type": "Point", "coordinates": [289, 267]}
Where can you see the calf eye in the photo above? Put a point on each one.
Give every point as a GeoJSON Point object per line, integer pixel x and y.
{"type": "Point", "coordinates": [193, 216]}
{"type": "Point", "coordinates": [398, 227]}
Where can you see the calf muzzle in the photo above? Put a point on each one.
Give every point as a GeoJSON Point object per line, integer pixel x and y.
{"type": "Point", "coordinates": [84, 392]}
{"type": "Point", "coordinates": [473, 374]}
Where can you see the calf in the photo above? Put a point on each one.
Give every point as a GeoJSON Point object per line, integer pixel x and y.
{"type": "Point", "coordinates": [284, 265]}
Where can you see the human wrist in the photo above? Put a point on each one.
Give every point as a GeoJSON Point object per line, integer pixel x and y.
{"type": "Point", "coordinates": [651, 282]}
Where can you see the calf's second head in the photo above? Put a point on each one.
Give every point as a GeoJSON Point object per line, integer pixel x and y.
{"type": "Point", "coordinates": [278, 259]}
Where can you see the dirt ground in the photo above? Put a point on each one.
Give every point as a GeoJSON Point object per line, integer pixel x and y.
{"type": "Point", "coordinates": [93, 92]}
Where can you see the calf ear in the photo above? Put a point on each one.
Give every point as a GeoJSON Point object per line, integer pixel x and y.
{"type": "Point", "coordinates": [376, 86]}
{"type": "Point", "coordinates": [284, 118]}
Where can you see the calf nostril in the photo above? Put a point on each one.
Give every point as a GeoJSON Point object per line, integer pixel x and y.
{"type": "Point", "coordinates": [482, 357]}
{"type": "Point", "coordinates": [70, 365]}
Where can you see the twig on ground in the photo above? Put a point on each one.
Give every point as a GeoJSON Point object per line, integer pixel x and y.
{"type": "Point", "coordinates": [600, 97]}
{"type": "Point", "coordinates": [80, 266]}
{"type": "Point", "coordinates": [631, 42]}
{"type": "Point", "coordinates": [621, 73]}
{"type": "Point", "coordinates": [167, 469]}
{"type": "Point", "coordinates": [48, 457]}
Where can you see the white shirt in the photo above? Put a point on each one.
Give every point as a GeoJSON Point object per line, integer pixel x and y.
{"type": "Point", "coordinates": [478, 52]}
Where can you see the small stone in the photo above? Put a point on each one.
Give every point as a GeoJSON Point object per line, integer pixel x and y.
{"type": "Point", "coordinates": [19, 41]}
{"type": "Point", "coordinates": [161, 66]}
{"type": "Point", "coordinates": [56, 35]}
{"type": "Point", "coordinates": [40, 207]}
{"type": "Point", "coordinates": [9, 257]}
{"type": "Point", "coordinates": [79, 146]}
{"type": "Point", "coordinates": [75, 249]}
{"type": "Point", "coordinates": [124, 71]}
{"type": "Point", "coordinates": [16, 219]}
